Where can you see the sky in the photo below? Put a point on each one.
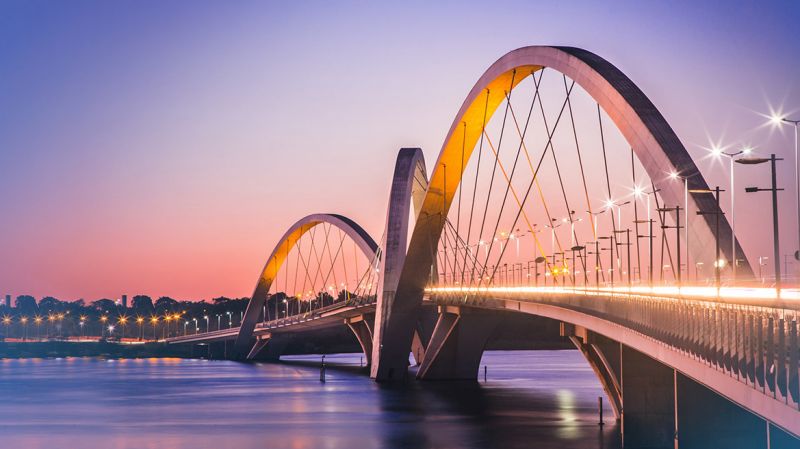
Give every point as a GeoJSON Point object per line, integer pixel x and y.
{"type": "Point", "coordinates": [162, 148]}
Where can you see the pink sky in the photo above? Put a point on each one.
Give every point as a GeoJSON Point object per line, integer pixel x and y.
{"type": "Point", "coordinates": [163, 150]}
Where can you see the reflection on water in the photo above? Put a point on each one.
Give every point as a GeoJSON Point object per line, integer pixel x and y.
{"type": "Point", "coordinates": [533, 399]}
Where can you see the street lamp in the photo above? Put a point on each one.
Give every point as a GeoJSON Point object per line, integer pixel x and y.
{"type": "Point", "coordinates": [196, 330]}
{"type": "Point", "coordinates": [140, 322]}
{"type": "Point", "coordinates": [103, 320]}
{"type": "Point", "coordinates": [537, 261]}
{"type": "Point", "coordinates": [122, 320]}
{"type": "Point", "coordinates": [718, 152]}
{"type": "Point", "coordinates": [206, 318]}
{"type": "Point", "coordinates": [718, 265]}
{"type": "Point", "coordinates": [154, 322]}
{"type": "Point", "coordinates": [230, 319]}
{"type": "Point", "coordinates": [6, 323]}
{"type": "Point", "coordinates": [778, 119]}
{"type": "Point", "coordinates": [774, 189]}
{"type": "Point", "coordinates": [37, 320]}
{"type": "Point", "coordinates": [677, 228]}
{"type": "Point", "coordinates": [24, 321]}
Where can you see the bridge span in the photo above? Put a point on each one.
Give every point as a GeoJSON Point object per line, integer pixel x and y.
{"type": "Point", "coordinates": [520, 216]}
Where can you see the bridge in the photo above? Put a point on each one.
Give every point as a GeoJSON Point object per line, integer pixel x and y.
{"type": "Point", "coordinates": [560, 193]}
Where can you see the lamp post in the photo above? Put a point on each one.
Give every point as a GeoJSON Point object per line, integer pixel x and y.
{"type": "Point", "coordinates": [154, 322]}
{"type": "Point", "coordinates": [649, 238]}
{"type": "Point", "coordinates": [103, 320]}
{"type": "Point", "coordinates": [718, 153]}
{"type": "Point", "coordinates": [24, 321]}
{"type": "Point", "coordinates": [536, 262]}
{"type": "Point", "coordinates": [780, 120]}
{"type": "Point", "coordinates": [196, 328]}
{"type": "Point", "coordinates": [206, 318]}
{"type": "Point", "coordinates": [677, 228]}
{"type": "Point", "coordinates": [230, 319]}
{"type": "Point", "coordinates": [6, 323]}
{"type": "Point", "coordinates": [776, 261]}
{"type": "Point", "coordinates": [611, 261]}
{"type": "Point", "coordinates": [578, 248]}
{"type": "Point", "coordinates": [718, 264]}
{"type": "Point", "coordinates": [37, 320]}
{"type": "Point", "coordinates": [627, 243]}
{"type": "Point", "coordinates": [140, 322]}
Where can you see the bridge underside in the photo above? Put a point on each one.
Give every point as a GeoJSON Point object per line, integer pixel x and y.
{"type": "Point", "coordinates": [665, 399]}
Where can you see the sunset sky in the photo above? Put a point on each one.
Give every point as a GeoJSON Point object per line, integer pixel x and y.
{"type": "Point", "coordinates": [162, 148]}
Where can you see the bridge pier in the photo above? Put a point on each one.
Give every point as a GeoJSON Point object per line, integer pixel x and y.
{"type": "Point", "coordinates": [456, 346]}
{"type": "Point", "coordinates": [269, 347]}
{"type": "Point", "coordinates": [362, 327]}
{"type": "Point", "coordinates": [422, 334]}
{"type": "Point", "coordinates": [590, 344]}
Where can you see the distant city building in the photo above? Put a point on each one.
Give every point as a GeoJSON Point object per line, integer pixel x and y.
{"type": "Point", "coordinates": [8, 301]}
{"type": "Point", "coordinates": [124, 301]}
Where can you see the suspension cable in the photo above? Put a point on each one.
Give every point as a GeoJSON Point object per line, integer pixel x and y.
{"type": "Point", "coordinates": [494, 166]}
{"type": "Point", "coordinates": [535, 174]}
{"type": "Point", "coordinates": [477, 174]}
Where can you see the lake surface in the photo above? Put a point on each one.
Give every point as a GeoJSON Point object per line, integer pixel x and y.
{"type": "Point", "coordinates": [532, 399]}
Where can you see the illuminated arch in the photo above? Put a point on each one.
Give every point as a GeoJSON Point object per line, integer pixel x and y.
{"type": "Point", "coordinates": [361, 238]}
{"type": "Point", "coordinates": [654, 142]}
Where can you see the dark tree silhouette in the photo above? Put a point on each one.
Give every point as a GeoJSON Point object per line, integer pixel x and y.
{"type": "Point", "coordinates": [105, 305]}
{"type": "Point", "coordinates": [142, 304]}
{"type": "Point", "coordinates": [165, 304]}
{"type": "Point", "coordinates": [49, 304]}
{"type": "Point", "coordinates": [26, 304]}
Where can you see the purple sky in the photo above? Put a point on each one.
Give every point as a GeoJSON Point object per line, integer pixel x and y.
{"type": "Point", "coordinates": [163, 147]}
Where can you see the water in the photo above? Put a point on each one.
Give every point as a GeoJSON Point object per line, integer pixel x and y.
{"type": "Point", "coordinates": [533, 399]}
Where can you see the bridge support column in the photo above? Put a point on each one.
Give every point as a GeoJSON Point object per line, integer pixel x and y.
{"type": "Point", "coordinates": [362, 327]}
{"type": "Point", "coordinates": [456, 346]}
{"type": "Point", "coordinates": [587, 343]}
{"type": "Point", "coordinates": [269, 347]}
{"type": "Point", "coordinates": [648, 395]}
{"type": "Point", "coordinates": [422, 334]}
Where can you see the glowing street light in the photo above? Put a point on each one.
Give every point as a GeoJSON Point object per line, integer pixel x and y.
{"type": "Point", "coordinates": [718, 265]}
{"type": "Point", "coordinates": [24, 321]}
{"type": "Point", "coordinates": [774, 190]}
{"type": "Point", "coordinates": [154, 322]}
{"type": "Point", "coordinates": [778, 119]}
{"type": "Point", "coordinates": [6, 323]}
{"type": "Point", "coordinates": [718, 153]}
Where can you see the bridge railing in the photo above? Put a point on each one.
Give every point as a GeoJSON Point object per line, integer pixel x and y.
{"type": "Point", "coordinates": [305, 316]}
{"type": "Point", "coordinates": [757, 345]}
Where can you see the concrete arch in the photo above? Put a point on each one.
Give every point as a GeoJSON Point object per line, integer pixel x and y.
{"type": "Point", "coordinates": [409, 186]}
{"type": "Point", "coordinates": [361, 238]}
{"type": "Point", "coordinates": [653, 140]}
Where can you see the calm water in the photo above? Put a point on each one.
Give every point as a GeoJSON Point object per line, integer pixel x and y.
{"type": "Point", "coordinates": [536, 399]}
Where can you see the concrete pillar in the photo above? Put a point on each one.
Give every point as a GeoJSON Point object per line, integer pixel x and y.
{"type": "Point", "coordinates": [269, 347]}
{"type": "Point", "coordinates": [422, 334]}
{"type": "Point", "coordinates": [362, 326]}
{"type": "Point", "coordinates": [457, 344]}
{"type": "Point", "coordinates": [648, 395]}
{"type": "Point", "coordinates": [600, 364]}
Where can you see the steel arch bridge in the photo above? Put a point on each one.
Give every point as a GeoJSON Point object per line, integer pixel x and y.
{"type": "Point", "coordinates": [462, 249]}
